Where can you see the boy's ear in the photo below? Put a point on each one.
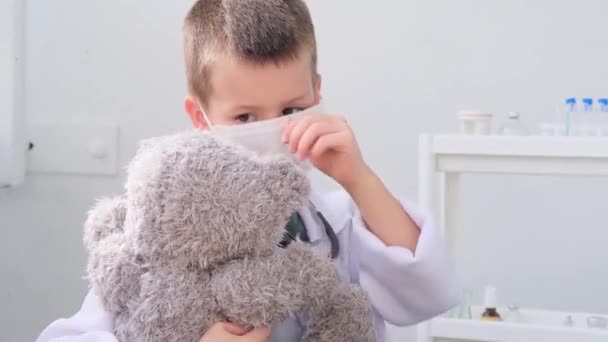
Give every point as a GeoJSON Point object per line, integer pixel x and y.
{"type": "Point", "coordinates": [195, 113]}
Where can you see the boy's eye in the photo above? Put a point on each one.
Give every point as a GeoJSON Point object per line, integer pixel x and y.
{"type": "Point", "coordinates": [244, 118]}
{"type": "Point", "coordinates": [292, 110]}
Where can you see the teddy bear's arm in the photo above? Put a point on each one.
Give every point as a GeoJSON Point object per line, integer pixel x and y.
{"type": "Point", "coordinates": [106, 218]}
{"type": "Point", "coordinates": [259, 291]}
{"type": "Point", "coordinates": [113, 269]}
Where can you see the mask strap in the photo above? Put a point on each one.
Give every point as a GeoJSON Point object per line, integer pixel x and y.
{"type": "Point", "coordinates": [205, 117]}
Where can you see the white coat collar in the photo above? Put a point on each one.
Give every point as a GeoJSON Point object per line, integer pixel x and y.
{"type": "Point", "coordinates": [335, 208]}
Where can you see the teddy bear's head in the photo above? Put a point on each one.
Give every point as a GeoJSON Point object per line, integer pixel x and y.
{"type": "Point", "coordinates": [194, 200]}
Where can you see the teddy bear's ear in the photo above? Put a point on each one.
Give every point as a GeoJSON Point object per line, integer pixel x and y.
{"type": "Point", "coordinates": [104, 219]}
{"type": "Point", "coordinates": [288, 183]}
{"type": "Point", "coordinates": [153, 157]}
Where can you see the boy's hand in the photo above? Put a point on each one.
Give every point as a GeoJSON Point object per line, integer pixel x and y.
{"type": "Point", "coordinates": [227, 332]}
{"type": "Point", "coordinates": [329, 143]}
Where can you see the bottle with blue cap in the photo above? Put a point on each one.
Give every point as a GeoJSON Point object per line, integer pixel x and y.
{"type": "Point", "coordinates": [602, 113]}
{"type": "Point", "coordinates": [603, 105]}
{"type": "Point", "coordinates": [588, 123]}
{"type": "Point", "coordinates": [571, 117]}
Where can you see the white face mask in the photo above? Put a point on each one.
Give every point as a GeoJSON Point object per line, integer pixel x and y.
{"type": "Point", "coordinates": [263, 137]}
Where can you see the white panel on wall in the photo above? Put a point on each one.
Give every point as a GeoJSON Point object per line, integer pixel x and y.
{"type": "Point", "coordinates": [83, 149]}
{"type": "Point", "coordinates": [12, 144]}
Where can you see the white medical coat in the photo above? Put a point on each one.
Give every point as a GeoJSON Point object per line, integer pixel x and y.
{"type": "Point", "coordinates": [404, 288]}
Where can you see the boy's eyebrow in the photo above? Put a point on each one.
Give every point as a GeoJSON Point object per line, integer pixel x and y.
{"type": "Point", "coordinates": [253, 108]}
{"type": "Point", "coordinates": [244, 109]}
{"type": "Point", "coordinates": [297, 98]}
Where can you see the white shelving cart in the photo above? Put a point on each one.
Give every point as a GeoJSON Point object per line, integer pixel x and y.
{"type": "Point", "coordinates": [443, 157]}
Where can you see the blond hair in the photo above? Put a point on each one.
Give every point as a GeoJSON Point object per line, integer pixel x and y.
{"type": "Point", "coordinates": [257, 31]}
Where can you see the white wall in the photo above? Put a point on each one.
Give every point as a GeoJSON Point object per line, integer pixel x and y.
{"type": "Point", "coordinates": [395, 68]}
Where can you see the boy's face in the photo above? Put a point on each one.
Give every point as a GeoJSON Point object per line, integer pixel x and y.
{"type": "Point", "coordinates": [243, 92]}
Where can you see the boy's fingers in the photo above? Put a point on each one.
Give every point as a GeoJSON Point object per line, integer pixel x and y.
{"type": "Point", "coordinates": [297, 131]}
{"type": "Point", "coordinates": [286, 130]}
{"type": "Point", "coordinates": [299, 127]}
{"type": "Point", "coordinates": [310, 136]}
{"type": "Point", "coordinates": [235, 329]}
{"type": "Point", "coordinates": [315, 116]}
{"type": "Point", "coordinates": [289, 127]}
{"type": "Point", "coordinates": [257, 335]}
{"type": "Point", "coordinates": [325, 143]}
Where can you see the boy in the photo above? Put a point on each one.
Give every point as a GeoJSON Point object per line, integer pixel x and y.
{"type": "Point", "coordinates": [253, 60]}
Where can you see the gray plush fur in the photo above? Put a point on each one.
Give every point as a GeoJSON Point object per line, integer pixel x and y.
{"type": "Point", "coordinates": [193, 241]}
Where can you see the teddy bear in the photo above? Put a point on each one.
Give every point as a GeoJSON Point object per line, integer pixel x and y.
{"type": "Point", "coordinates": [193, 241]}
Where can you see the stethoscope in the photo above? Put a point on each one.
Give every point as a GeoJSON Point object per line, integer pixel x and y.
{"type": "Point", "coordinates": [333, 238]}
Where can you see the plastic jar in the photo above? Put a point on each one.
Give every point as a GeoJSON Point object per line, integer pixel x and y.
{"type": "Point", "coordinates": [474, 122]}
